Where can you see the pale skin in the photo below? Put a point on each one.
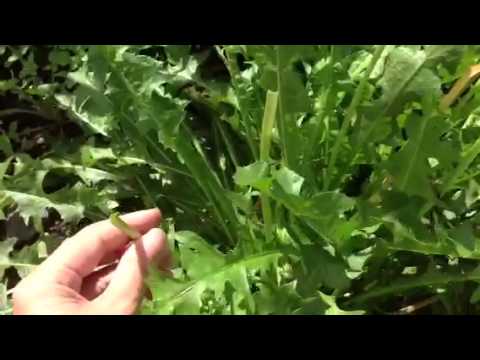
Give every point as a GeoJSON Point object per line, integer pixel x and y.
{"type": "Point", "coordinates": [96, 271]}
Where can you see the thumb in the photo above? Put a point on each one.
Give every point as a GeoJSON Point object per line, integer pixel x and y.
{"type": "Point", "coordinates": [126, 288]}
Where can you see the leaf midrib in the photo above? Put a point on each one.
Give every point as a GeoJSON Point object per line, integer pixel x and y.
{"type": "Point", "coordinates": [404, 85]}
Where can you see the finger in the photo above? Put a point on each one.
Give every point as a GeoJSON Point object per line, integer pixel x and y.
{"type": "Point", "coordinates": [113, 256]}
{"type": "Point", "coordinates": [96, 283]}
{"type": "Point", "coordinates": [126, 289]}
{"type": "Point", "coordinates": [78, 256]}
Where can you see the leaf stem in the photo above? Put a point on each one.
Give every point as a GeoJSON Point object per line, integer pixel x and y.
{"type": "Point", "coordinates": [267, 124]}
{"type": "Point", "coordinates": [265, 143]}
{"type": "Point", "coordinates": [132, 233]}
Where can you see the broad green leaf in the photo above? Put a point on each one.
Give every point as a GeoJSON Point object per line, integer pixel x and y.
{"type": "Point", "coordinates": [320, 206]}
{"type": "Point", "coordinates": [197, 256]}
{"type": "Point", "coordinates": [322, 269]}
{"type": "Point", "coordinates": [100, 123]}
{"type": "Point", "coordinates": [89, 175]}
{"type": "Point", "coordinates": [255, 175]}
{"type": "Point", "coordinates": [405, 79]}
{"type": "Point", "coordinates": [409, 167]}
{"type": "Point", "coordinates": [290, 182]}
{"type": "Point", "coordinates": [32, 206]}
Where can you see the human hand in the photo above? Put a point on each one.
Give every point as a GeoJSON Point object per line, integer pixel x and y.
{"type": "Point", "coordinates": [70, 281]}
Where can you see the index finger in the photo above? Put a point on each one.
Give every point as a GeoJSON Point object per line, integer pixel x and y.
{"type": "Point", "coordinates": [81, 253]}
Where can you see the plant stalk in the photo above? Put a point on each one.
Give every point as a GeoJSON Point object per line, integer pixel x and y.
{"type": "Point", "coordinates": [265, 143]}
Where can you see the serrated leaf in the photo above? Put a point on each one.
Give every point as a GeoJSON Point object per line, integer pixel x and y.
{"type": "Point", "coordinates": [187, 299]}
{"type": "Point", "coordinates": [167, 118]}
{"type": "Point", "coordinates": [409, 166]}
{"type": "Point", "coordinates": [255, 175]}
{"type": "Point", "coordinates": [322, 269]}
{"type": "Point", "coordinates": [404, 79]}
{"type": "Point", "coordinates": [320, 206]}
{"type": "Point", "coordinates": [98, 123]}
{"type": "Point", "coordinates": [197, 256]}
{"type": "Point", "coordinates": [32, 206]}
{"type": "Point", "coordinates": [90, 176]}
{"type": "Point", "coordinates": [290, 181]}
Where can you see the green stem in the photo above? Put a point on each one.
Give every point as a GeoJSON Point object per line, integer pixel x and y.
{"type": "Point", "coordinates": [267, 124]}
{"type": "Point", "coordinates": [132, 233]}
{"type": "Point", "coordinates": [265, 143]}
{"type": "Point", "coordinates": [15, 264]}
{"type": "Point", "coordinates": [350, 113]}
